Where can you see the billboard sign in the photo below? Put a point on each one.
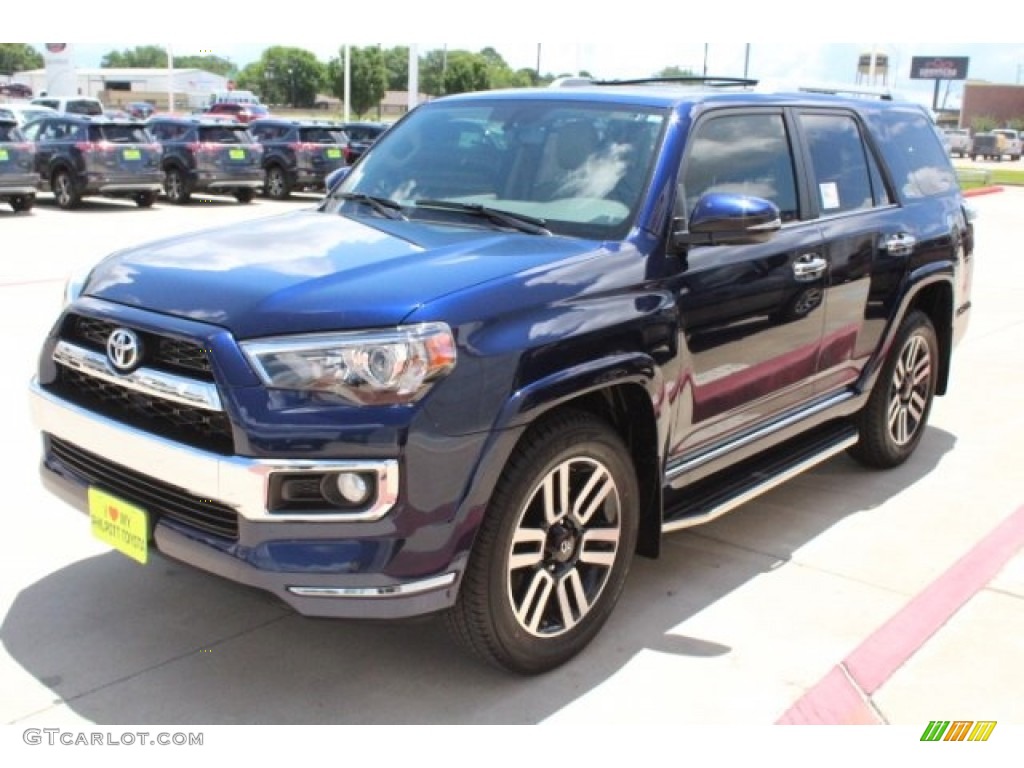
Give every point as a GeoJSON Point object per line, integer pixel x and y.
{"type": "Point", "coordinates": [938, 68]}
{"type": "Point", "coordinates": [61, 77]}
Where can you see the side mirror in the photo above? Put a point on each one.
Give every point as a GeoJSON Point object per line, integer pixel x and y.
{"type": "Point", "coordinates": [724, 218]}
{"type": "Point", "coordinates": [335, 177]}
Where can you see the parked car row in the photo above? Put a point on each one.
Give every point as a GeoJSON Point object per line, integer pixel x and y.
{"type": "Point", "coordinates": [988, 145]}
{"type": "Point", "coordinates": [74, 156]}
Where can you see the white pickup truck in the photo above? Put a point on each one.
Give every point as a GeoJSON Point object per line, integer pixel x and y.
{"type": "Point", "coordinates": [1013, 142]}
{"type": "Point", "coordinates": [958, 141]}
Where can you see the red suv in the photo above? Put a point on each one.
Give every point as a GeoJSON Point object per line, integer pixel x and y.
{"type": "Point", "coordinates": [243, 113]}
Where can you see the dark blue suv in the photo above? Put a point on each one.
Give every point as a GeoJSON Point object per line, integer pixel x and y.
{"type": "Point", "coordinates": [297, 154]}
{"type": "Point", "coordinates": [207, 155]}
{"type": "Point", "coordinates": [528, 335]}
{"type": "Point", "coordinates": [79, 156]}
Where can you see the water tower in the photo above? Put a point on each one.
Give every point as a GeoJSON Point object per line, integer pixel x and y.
{"type": "Point", "coordinates": [880, 76]}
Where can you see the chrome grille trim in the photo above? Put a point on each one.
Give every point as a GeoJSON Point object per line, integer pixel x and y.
{"type": "Point", "coordinates": [167, 386]}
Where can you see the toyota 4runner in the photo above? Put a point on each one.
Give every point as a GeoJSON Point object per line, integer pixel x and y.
{"type": "Point", "coordinates": [529, 334]}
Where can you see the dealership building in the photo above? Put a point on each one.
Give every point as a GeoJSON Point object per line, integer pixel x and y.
{"type": "Point", "coordinates": [116, 87]}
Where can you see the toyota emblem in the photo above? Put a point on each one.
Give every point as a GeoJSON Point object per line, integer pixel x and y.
{"type": "Point", "coordinates": [124, 350]}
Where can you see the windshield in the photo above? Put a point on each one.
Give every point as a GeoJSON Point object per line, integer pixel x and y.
{"type": "Point", "coordinates": [580, 168]}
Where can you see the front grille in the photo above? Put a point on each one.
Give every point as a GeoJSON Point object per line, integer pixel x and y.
{"type": "Point", "coordinates": [155, 496]}
{"type": "Point", "coordinates": [209, 430]}
{"type": "Point", "coordinates": [163, 353]}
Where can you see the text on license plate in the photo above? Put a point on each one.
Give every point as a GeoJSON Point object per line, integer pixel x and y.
{"type": "Point", "coordinates": [119, 524]}
{"type": "Point", "coordinates": [132, 154]}
{"type": "Point", "coordinates": [334, 153]}
{"type": "Point", "coordinates": [236, 154]}
{"type": "Point", "coordinates": [3, 156]}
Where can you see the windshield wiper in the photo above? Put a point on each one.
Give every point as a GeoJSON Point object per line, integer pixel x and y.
{"type": "Point", "coordinates": [385, 206]}
{"type": "Point", "coordinates": [518, 221]}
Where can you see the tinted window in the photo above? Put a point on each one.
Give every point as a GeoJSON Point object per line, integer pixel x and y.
{"type": "Point", "coordinates": [839, 162]}
{"type": "Point", "coordinates": [915, 154]}
{"type": "Point", "coordinates": [316, 136]}
{"type": "Point", "coordinates": [745, 154]}
{"type": "Point", "coordinates": [120, 134]}
{"type": "Point", "coordinates": [224, 134]}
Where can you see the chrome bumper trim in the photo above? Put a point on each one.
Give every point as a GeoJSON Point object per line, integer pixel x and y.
{"type": "Point", "coordinates": [236, 184]}
{"type": "Point", "coordinates": [393, 590]}
{"type": "Point", "coordinates": [126, 187]}
{"type": "Point", "coordinates": [12, 190]}
{"type": "Point", "coordinates": [237, 481]}
{"type": "Point", "coordinates": [165, 386]}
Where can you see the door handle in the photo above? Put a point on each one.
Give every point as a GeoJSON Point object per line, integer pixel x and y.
{"type": "Point", "coordinates": [808, 267]}
{"type": "Point", "coordinates": [901, 244]}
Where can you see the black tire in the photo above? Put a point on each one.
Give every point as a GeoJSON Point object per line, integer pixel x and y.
{"type": "Point", "coordinates": [22, 203]}
{"type": "Point", "coordinates": [276, 184]}
{"type": "Point", "coordinates": [244, 195]}
{"type": "Point", "coordinates": [176, 186]}
{"type": "Point", "coordinates": [542, 579]}
{"type": "Point", "coordinates": [65, 192]}
{"type": "Point", "coordinates": [144, 199]}
{"type": "Point", "coordinates": [896, 414]}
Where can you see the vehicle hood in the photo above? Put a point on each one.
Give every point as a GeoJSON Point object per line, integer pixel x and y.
{"type": "Point", "coordinates": [310, 271]}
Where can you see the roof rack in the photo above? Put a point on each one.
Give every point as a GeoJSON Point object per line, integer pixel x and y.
{"type": "Point", "coordinates": [870, 92]}
{"type": "Point", "coordinates": [709, 80]}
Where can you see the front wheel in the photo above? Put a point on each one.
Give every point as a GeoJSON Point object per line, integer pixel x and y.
{"type": "Point", "coordinates": [554, 548]}
{"type": "Point", "coordinates": [894, 419]}
{"type": "Point", "coordinates": [176, 187]}
{"type": "Point", "coordinates": [22, 203]}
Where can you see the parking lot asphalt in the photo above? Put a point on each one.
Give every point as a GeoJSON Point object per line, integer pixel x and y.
{"type": "Point", "coordinates": [845, 595]}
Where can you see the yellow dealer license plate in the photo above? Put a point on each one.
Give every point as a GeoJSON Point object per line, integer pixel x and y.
{"type": "Point", "coordinates": [334, 153]}
{"type": "Point", "coordinates": [236, 154]}
{"type": "Point", "coordinates": [3, 156]}
{"type": "Point", "coordinates": [119, 524]}
{"type": "Point", "coordinates": [132, 154]}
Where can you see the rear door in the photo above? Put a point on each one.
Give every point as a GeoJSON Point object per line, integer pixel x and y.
{"type": "Point", "coordinates": [855, 212]}
{"type": "Point", "coordinates": [126, 147]}
{"type": "Point", "coordinates": [323, 149]}
{"type": "Point", "coordinates": [226, 148]}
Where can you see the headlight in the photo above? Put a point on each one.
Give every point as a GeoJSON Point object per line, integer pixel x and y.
{"type": "Point", "coordinates": [369, 367]}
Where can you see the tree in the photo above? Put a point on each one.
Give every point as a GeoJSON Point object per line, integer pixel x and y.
{"type": "Point", "coordinates": [142, 56]}
{"type": "Point", "coordinates": [285, 75]}
{"type": "Point", "coordinates": [396, 60]}
{"type": "Point", "coordinates": [983, 123]}
{"type": "Point", "coordinates": [17, 57]}
{"type": "Point", "coordinates": [674, 71]}
{"type": "Point", "coordinates": [466, 72]}
{"type": "Point", "coordinates": [209, 63]}
{"type": "Point", "coordinates": [368, 77]}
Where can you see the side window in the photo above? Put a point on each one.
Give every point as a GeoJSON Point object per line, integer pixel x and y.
{"type": "Point", "coordinates": [839, 162]}
{"type": "Point", "coordinates": [159, 132]}
{"type": "Point", "coordinates": [747, 154]}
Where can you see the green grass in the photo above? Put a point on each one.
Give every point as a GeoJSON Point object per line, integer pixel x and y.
{"type": "Point", "coordinates": [972, 178]}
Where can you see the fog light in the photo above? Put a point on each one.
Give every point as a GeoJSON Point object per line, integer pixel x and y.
{"type": "Point", "coordinates": [346, 488]}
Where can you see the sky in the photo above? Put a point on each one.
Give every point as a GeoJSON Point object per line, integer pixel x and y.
{"type": "Point", "coordinates": [634, 38]}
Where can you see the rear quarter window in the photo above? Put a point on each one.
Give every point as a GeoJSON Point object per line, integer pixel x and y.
{"type": "Point", "coordinates": [915, 154]}
{"type": "Point", "coordinates": [10, 132]}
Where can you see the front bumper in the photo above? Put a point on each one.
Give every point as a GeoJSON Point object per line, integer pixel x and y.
{"type": "Point", "coordinates": [320, 565]}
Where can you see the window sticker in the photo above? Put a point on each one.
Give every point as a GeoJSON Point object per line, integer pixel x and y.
{"type": "Point", "coordinates": [829, 192]}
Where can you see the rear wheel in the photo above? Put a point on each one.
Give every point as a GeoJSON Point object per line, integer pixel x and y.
{"type": "Point", "coordinates": [176, 187]}
{"type": "Point", "coordinates": [244, 195]}
{"type": "Point", "coordinates": [22, 203]}
{"type": "Point", "coordinates": [276, 184]}
{"type": "Point", "coordinates": [64, 190]}
{"type": "Point", "coordinates": [554, 548]}
{"type": "Point", "coordinates": [894, 419]}
{"type": "Point", "coordinates": [145, 199]}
